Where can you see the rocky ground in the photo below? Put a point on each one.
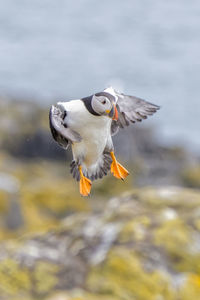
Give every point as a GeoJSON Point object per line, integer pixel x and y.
{"type": "Point", "coordinates": [145, 244]}
{"type": "Point", "coordinates": [138, 239]}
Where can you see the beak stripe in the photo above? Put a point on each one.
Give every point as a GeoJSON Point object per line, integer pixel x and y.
{"type": "Point", "coordinates": [115, 117]}
{"type": "Point", "coordinates": [113, 113]}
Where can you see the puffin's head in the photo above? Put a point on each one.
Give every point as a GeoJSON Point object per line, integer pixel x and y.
{"type": "Point", "coordinates": [105, 104]}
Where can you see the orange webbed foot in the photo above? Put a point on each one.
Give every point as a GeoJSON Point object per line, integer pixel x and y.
{"type": "Point", "coordinates": [117, 169]}
{"type": "Point", "coordinates": [84, 184]}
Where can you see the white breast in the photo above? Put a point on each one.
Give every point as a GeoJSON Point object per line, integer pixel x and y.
{"type": "Point", "coordinates": [94, 131]}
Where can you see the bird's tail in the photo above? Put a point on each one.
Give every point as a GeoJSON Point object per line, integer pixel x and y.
{"type": "Point", "coordinates": [97, 170]}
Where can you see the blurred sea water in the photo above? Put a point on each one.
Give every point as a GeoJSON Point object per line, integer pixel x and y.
{"type": "Point", "coordinates": [52, 50]}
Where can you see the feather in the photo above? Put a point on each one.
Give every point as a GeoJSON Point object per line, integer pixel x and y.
{"type": "Point", "coordinates": [131, 109]}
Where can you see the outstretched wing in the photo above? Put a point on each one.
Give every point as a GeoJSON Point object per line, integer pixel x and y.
{"type": "Point", "coordinates": [131, 109]}
{"type": "Point", "coordinates": [60, 132]}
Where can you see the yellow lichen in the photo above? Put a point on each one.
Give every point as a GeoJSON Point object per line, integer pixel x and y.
{"type": "Point", "coordinates": [191, 176]}
{"type": "Point", "coordinates": [4, 201]}
{"type": "Point", "coordinates": [110, 186]}
{"type": "Point", "coordinates": [173, 235]}
{"type": "Point", "coordinates": [44, 277]}
{"type": "Point", "coordinates": [17, 280]}
{"type": "Point", "coordinates": [122, 276]}
{"type": "Point", "coordinates": [191, 288]}
{"type": "Point", "coordinates": [14, 279]}
{"type": "Point", "coordinates": [134, 229]}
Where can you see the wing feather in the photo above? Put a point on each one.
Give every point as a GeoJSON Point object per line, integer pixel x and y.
{"type": "Point", "coordinates": [60, 132]}
{"type": "Point", "coordinates": [130, 110]}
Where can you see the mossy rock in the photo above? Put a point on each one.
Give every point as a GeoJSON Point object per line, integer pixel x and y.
{"type": "Point", "coordinates": [135, 247]}
{"type": "Point", "coordinates": [172, 196]}
{"type": "Point", "coordinates": [4, 202]}
{"type": "Point", "coordinates": [173, 236]}
{"type": "Point", "coordinates": [122, 276]}
{"type": "Point", "coordinates": [79, 294]}
{"type": "Point", "coordinates": [134, 229]}
{"type": "Point", "coordinates": [58, 198]}
{"type": "Point", "coordinates": [110, 186]}
{"type": "Point", "coordinates": [191, 288]}
{"type": "Point", "coordinates": [14, 278]}
{"type": "Point", "coordinates": [191, 177]}
{"type": "Point", "coordinates": [18, 280]}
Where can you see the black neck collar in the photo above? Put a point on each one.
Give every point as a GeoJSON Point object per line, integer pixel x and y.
{"type": "Point", "coordinates": [87, 101]}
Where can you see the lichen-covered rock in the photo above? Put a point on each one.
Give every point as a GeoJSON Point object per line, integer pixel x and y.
{"type": "Point", "coordinates": [144, 244]}
{"type": "Point", "coordinates": [191, 176]}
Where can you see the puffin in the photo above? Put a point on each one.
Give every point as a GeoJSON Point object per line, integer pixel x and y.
{"type": "Point", "coordinates": [88, 124]}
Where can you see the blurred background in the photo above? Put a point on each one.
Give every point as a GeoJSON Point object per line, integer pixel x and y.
{"type": "Point", "coordinates": [138, 239]}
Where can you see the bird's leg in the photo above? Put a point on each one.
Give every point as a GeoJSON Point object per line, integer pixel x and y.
{"type": "Point", "coordinates": [117, 169]}
{"type": "Point", "coordinates": [84, 184]}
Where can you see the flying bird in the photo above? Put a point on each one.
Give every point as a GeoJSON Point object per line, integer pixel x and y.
{"type": "Point", "coordinates": [88, 124]}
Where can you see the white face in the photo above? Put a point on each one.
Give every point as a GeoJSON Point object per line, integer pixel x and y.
{"type": "Point", "coordinates": [101, 105]}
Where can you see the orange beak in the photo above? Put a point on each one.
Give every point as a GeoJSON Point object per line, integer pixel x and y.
{"type": "Point", "coordinates": [115, 116]}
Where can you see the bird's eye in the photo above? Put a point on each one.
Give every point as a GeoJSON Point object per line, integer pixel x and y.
{"type": "Point", "coordinates": [104, 102]}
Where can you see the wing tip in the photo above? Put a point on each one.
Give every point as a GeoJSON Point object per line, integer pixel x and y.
{"type": "Point", "coordinates": [157, 106]}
